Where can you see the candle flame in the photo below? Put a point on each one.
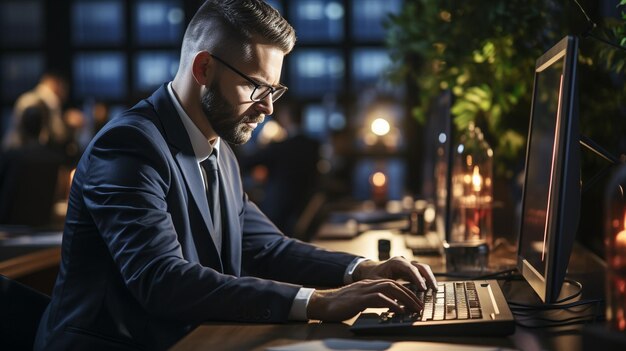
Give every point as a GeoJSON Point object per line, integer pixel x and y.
{"type": "Point", "coordinates": [477, 180]}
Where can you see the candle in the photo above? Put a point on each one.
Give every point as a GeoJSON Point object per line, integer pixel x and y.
{"type": "Point", "coordinates": [620, 247]}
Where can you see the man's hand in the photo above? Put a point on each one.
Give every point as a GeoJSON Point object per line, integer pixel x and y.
{"type": "Point", "coordinates": [375, 287]}
{"type": "Point", "coordinates": [341, 304]}
{"type": "Point", "coordinates": [419, 274]}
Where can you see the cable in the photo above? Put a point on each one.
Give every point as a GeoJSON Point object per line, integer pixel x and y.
{"type": "Point", "coordinates": [548, 307]}
{"type": "Point", "coordinates": [558, 323]}
{"type": "Point", "coordinates": [593, 26]}
{"type": "Point", "coordinates": [559, 304]}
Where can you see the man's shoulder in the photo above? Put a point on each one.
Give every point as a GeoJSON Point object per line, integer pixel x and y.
{"type": "Point", "coordinates": [141, 117]}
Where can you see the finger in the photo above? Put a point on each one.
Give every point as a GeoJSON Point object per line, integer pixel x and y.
{"type": "Point", "coordinates": [380, 300]}
{"type": "Point", "coordinates": [414, 276]}
{"type": "Point", "coordinates": [427, 272]}
{"type": "Point", "coordinates": [402, 268]}
{"type": "Point", "coordinates": [398, 292]}
{"type": "Point", "coordinates": [394, 290]}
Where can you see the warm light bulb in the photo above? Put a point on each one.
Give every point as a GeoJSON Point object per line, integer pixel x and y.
{"type": "Point", "coordinates": [379, 179]}
{"type": "Point", "coordinates": [380, 127]}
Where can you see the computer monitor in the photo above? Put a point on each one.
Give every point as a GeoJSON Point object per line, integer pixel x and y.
{"type": "Point", "coordinates": [551, 194]}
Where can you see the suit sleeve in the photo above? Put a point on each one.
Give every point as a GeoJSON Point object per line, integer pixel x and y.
{"type": "Point", "coordinates": [125, 189]}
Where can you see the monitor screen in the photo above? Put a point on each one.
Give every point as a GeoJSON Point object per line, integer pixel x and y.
{"type": "Point", "coordinates": [551, 197]}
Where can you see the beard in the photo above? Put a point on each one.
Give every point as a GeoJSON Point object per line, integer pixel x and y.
{"type": "Point", "coordinates": [221, 115]}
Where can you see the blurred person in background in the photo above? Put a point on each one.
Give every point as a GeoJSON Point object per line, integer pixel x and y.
{"type": "Point", "coordinates": [59, 130]}
{"type": "Point", "coordinates": [29, 172]}
{"type": "Point", "coordinates": [287, 169]}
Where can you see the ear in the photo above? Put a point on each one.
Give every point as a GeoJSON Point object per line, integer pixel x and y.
{"type": "Point", "coordinates": [202, 68]}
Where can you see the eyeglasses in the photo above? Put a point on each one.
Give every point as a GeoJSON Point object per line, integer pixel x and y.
{"type": "Point", "coordinates": [261, 91]}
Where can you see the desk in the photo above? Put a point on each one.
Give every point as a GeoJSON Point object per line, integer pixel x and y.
{"type": "Point", "coordinates": [30, 263]}
{"type": "Point", "coordinates": [584, 267]}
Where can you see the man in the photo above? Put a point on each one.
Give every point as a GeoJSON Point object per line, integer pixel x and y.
{"type": "Point", "coordinates": [59, 127]}
{"type": "Point", "coordinates": [29, 173]}
{"type": "Point", "coordinates": [291, 175]}
{"type": "Point", "coordinates": [145, 258]}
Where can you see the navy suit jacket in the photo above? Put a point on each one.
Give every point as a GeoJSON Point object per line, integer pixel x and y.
{"type": "Point", "coordinates": [139, 268]}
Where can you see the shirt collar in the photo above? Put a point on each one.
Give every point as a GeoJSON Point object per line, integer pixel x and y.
{"type": "Point", "coordinates": [201, 146]}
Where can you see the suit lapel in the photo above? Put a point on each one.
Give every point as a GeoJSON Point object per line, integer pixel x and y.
{"type": "Point", "coordinates": [176, 135]}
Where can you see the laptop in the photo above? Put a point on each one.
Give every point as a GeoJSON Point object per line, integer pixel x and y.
{"type": "Point", "coordinates": [549, 208]}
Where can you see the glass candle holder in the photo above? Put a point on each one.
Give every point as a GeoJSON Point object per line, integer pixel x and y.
{"type": "Point", "coordinates": [615, 250]}
{"type": "Point", "coordinates": [472, 189]}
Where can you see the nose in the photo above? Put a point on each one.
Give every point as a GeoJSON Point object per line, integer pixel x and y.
{"type": "Point", "coordinates": [266, 106]}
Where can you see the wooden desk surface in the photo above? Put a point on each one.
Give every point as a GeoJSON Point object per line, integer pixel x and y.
{"type": "Point", "coordinates": [30, 261]}
{"type": "Point", "coordinates": [30, 257]}
{"type": "Point", "coordinates": [239, 336]}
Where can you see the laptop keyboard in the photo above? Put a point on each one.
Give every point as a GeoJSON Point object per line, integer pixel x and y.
{"type": "Point", "coordinates": [451, 300]}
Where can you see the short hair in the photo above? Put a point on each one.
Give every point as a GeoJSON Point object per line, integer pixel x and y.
{"type": "Point", "coordinates": [227, 27]}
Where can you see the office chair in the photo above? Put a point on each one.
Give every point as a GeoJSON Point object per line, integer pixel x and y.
{"type": "Point", "coordinates": [28, 184]}
{"type": "Point", "coordinates": [21, 309]}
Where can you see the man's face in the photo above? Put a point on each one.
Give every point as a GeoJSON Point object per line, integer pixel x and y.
{"type": "Point", "coordinates": [226, 101]}
{"type": "Point", "coordinates": [224, 119]}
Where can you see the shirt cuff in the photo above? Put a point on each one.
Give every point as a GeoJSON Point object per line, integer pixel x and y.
{"type": "Point", "coordinates": [300, 303]}
{"type": "Point", "coordinates": [347, 276]}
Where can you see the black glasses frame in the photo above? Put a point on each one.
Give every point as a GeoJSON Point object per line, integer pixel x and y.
{"type": "Point", "coordinates": [276, 92]}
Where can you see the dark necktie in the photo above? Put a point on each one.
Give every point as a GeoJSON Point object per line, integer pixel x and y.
{"type": "Point", "coordinates": [213, 196]}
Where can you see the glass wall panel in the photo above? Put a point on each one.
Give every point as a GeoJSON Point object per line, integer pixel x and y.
{"type": "Point", "coordinates": [277, 4]}
{"type": "Point", "coordinates": [317, 20]}
{"type": "Point", "coordinates": [369, 66]}
{"type": "Point", "coordinates": [315, 72]}
{"type": "Point", "coordinates": [21, 23]}
{"type": "Point", "coordinates": [20, 73]}
{"type": "Point", "coordinates": [98, 22]}
{"type": "Point", "coordinates": [154, 68]}
{"type": "Point", "coordinates": [368, 17]}
{"type": "Point", "coordinates": [100, 75]}
{"type": "Point", "coordinates": [159, 22]}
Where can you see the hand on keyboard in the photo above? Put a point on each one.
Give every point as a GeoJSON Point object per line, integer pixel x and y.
{"type": "Point", "coordinates": [343, 303]}
{"type": "Point", "coordinates": [419, 274]}
{"type": "Point", "coordinates": [453, 300]}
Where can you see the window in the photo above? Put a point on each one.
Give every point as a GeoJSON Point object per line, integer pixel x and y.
{"type": "Point", "coordinates": [154, 68]}
{"type": "Point", "coordinates": [368, 17]}
{"type": "Point", "coordinates": [100, 75]}
{"type": "Point", "coordinates": [318, 20]}
{"type": "Point", "coordinates": [98, 22]}
{"type": "Point", "coordinates": [21, 23]}
{"type": "Point", "coordinates": [369, 66]}
{"type": "Point", "coordinates": [20, 73]}
{"type": "Point", "coordinates": [277, 5]}
{"type": "Point", "coordinates": [159, 22]}
{"type": "Point", "coordinates": [315, 72]}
